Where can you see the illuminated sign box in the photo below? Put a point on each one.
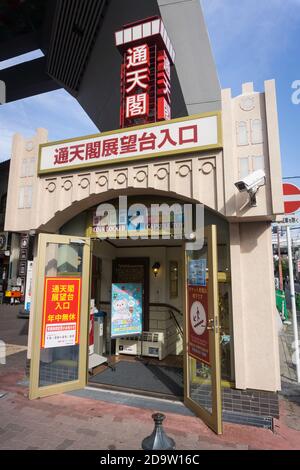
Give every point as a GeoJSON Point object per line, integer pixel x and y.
{"type": "Point", "coordinates": [195, 133]}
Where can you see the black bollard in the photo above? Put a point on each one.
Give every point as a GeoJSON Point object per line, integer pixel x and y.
{"type": "Point", "coordinates": [158, 440]}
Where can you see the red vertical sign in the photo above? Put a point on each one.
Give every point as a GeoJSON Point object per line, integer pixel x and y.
{"type": "Point", "coordinates": [145, 72]}
{"type": "Point", "coordinates": [198, 323]}
{"type": "Point", "coordinates": [61, 312]}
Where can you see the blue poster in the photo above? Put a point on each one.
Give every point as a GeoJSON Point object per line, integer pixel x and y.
{"type": "Point", "coordinates": [197, 272]}
{"type": "Point", "coordinates": [126, 309]}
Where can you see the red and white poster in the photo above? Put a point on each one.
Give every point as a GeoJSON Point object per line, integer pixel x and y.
{"type": "Point", "coordinates": [198, 322]}
{"type": "Point", "coordinates": [61, 312]}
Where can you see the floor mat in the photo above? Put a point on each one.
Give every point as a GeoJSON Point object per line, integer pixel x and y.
{"type": "Point", "coordinates": [140, 375]}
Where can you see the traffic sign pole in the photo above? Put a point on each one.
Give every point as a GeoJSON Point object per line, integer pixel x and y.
{"type": "Point", "coordinates": [293, 301]}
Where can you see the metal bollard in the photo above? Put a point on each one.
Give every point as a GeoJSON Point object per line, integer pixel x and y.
{"type": "Point", "coordinates": [158, 440]}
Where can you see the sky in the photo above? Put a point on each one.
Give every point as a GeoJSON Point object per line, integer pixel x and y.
{"type": "Point", "coordinates": [252, 40]}
{"type": "Point", "coordinates": [257, 40]}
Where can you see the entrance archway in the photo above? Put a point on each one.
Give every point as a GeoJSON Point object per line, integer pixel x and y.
{"type": "Point", "coordinates": [154, 358]}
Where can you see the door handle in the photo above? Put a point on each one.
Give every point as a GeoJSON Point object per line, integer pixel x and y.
{"type": "Point", "coordinates": [212, 326]}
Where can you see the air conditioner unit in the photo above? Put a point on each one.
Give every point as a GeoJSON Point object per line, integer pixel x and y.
{"type": "Point", "coordinates": [153, 345]}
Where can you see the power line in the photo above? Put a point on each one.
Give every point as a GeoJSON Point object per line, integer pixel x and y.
{"type": "Point", "coordinates": [291, 178]}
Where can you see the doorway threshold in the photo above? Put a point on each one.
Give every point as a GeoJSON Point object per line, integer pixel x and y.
{"type": "Point", "coordinates": [136, 392]}
{"type": "Point", "coordinates": [133, 399]}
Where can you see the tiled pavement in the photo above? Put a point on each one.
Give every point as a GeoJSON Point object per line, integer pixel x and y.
{"type": "Point", "coordinates": [73, 422]}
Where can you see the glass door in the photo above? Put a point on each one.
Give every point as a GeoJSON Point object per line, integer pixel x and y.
{"type": "Point", "coordinates": [61, 315]}
{"type": "Point", "coordinates": [202, 375]}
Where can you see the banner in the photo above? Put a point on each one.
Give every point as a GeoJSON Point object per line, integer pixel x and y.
{"type": "Point", "coordinates": [126, 310]}
{"type": "Point", "coordinates": [61, 312]}
{"type": "Point", "coordinates": [198, 322]}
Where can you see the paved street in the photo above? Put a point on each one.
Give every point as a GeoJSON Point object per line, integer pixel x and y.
{"type": "Point", "coordinates": [71, 422]}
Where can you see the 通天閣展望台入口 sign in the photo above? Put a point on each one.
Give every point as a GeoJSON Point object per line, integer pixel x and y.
{"type": "Point", "coordinates": [195, 133]}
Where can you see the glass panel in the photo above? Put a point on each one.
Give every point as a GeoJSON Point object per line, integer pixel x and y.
{"type": "Point", "coordinates": [244, 167]}
{"type": "Point", "coordinates": [242, 133]}
{"type": "Point", "coordinates": [200, 382]}
{"type": "Point", "coordinates": [256, 131]}
{"type": "Point", "coordinates": [258, 163]}
{"type": "Point", "coordinates": [59, 353]}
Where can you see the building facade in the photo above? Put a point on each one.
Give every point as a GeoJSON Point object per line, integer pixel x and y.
{"type": "Point", "coordinates": [64, 202]}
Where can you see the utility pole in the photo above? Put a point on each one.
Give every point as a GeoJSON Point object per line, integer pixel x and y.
{"type": "Point", "coordinates": [293, 302]}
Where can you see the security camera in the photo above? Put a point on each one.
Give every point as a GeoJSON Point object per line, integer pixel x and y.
{"type": "Point", "coordinates": [251, 184]}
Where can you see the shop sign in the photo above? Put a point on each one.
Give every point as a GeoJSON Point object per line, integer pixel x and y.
{"type": "Point", "coordinates": [195, 133]}
{"type": "Point", "coordinates": [126, 310]}
{"type": "Point", "coordinates": [119, 223]}
{"type": "Point", "coordinates": [198, 323]}
{"type": "Point", "coordinates": [61, 312]}
{"type": "Point", "coordinates": [145, 72]}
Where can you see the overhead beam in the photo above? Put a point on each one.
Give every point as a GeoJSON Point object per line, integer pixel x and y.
{"type": "Point", "coordinates": [18, 45]}
{"type": "Point", "coordinates": [27, 79]}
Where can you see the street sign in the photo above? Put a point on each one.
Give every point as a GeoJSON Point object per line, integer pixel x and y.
{"type": "Point", "coordinates": [291, 196]}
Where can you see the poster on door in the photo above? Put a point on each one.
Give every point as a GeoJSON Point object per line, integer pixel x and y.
{"type": "Point", "coordinates": [61, 312]}
{"type": "Point", "coordinates": [198, 323]}
{"type": "Point", "coordinates": [126, 309]}
{"type": "Point", "coordinates": [197, 272]}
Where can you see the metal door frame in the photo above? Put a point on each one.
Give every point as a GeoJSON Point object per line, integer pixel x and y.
{"type": "Point", "coordinates": [213, 420]}
{"type": "Point", "coordinates": [35, 391]}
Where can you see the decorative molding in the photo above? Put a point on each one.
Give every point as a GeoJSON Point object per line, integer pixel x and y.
{"type": "Point", "coordinates": [121, 177]}
{"type": "Point", "coordinates": [162, 173]}
{"type": "Point", "coordinates": [102, 180]}
{"type": "Point", "coordinates": [67, 184]}
{"type": "Point", "coordinates": [84, 183]}
{"type": "Point", "coordinates": [141, 176]}
{"type": "Point", "coordinates": [51, 187]}
{"type": "Point", "coordinates": [207, 167]}
{"type": "Point", "coordinates": [29, 145]}
{"type": "Point", "coordinates": [247, 103]}
{"type": "Point", "coordinates": [184, 170]}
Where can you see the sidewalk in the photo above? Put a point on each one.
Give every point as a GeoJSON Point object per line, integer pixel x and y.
{"type": "Point", "coordinates": [71, 422]}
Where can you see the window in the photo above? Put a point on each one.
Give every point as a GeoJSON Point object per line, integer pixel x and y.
{"type": "Point", "coordinates": [250, 164]}
{"type": "Point", "coordinates": [28, 167]}
{"type": "Point", "coordinates": [244, 167]}
{"type": "Point", "coordinates": [242, 133]}
{"type": "Point", "coordinates": [25, 197]}
{"type": "Point", "coordinates": [256, 131]}
{"type": "Point", "coordinates": [258, 163]}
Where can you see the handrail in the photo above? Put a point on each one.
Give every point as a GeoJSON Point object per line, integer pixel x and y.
{"type": "Point", "coordinates": [176, 321]}
{"type": "Point", "coordinates": [159, 304]}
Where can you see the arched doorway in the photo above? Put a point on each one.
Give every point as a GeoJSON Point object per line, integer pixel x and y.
{"type": "Point", "coordinates": [154, 273]}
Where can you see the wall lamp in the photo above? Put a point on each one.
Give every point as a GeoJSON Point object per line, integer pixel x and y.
{"type": "Point", "coordinates": [156, 268]}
